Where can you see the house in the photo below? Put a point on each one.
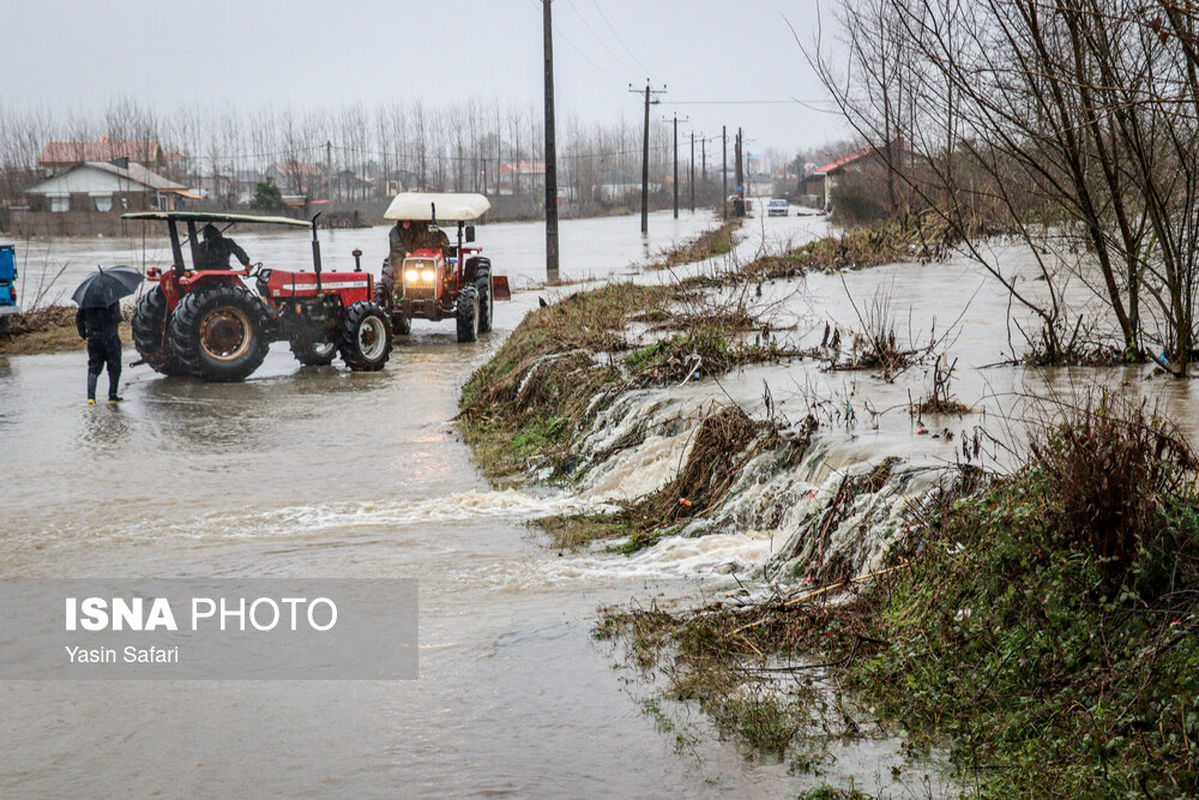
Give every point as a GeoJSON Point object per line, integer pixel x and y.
{"type": "Point", "coordinates": [820, 179]}
{"type": "Point", "coordinates": [619, 185]}
{"type": "Point", "coordinates": [298, 177]}
{"type": "Point", "coordinates": [349, 185]}
{"type": "Point", "coordinates": [521, 177]}
{"type": "Point", "coordinates": [229, 188]}
{"type": "Point", "coordinates": [105, 187]}
{"type": "Point", "coordinates": [62, 155]}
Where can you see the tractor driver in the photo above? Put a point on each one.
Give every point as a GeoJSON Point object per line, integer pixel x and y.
{"type": "Point", "coordinates": [216, 249]}
{"type": "Point", "coordinates": [408, 236]}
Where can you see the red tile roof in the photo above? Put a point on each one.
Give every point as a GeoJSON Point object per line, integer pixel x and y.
{"type": "Point", "coordinates": [844, 161]}
{"type": "Point", "coordinates": [62, 153]}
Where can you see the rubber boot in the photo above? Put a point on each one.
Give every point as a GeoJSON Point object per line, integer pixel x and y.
{"type": "Point", "coordinates": [92, 377]}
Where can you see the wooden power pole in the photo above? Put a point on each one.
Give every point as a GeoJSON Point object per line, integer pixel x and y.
{"type": "Point", "coordinates": [691, 174]}
{"type": "Point", "coordinates": [675, 120]}
{"type": "Point", "coordinates": [724, 171]}
{"type": "Point", "coordinates": [740, 174]}
{"type": "Point", "coordinates": [551, 154]}
{"type": "Point", "coordinates": [645, 153]}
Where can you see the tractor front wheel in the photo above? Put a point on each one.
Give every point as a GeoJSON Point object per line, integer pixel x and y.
{"type": "Point", "coordinates": [220, 332]}
{"type": "Point", "coordinates": [151, 335]}
{"type": "Point", "coordinates": [468, 313]}
{"type": "Point", "coordinates": [365, 336]}
{"type": "Point", "coordinates": [310, 352]}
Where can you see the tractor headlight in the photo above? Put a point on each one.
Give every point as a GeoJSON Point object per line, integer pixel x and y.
{"type": "Point", "coordinates": [427, 275]}
{"type": "Point", "coordinates": [412, 275]}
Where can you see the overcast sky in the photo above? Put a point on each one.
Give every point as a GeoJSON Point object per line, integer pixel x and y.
{"type": "Point", "coordinates": [72, 53]}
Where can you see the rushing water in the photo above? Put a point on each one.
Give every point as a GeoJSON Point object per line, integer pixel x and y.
{"type": "Point", "coordinates": [322, 473]}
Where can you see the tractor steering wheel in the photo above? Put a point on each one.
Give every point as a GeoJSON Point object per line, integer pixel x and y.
{"type": "Point", "coordinates": [253, 269]}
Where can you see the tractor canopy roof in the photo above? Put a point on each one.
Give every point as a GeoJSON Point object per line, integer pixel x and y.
{"type": "Point", "coordinates": [430, 206]}
{"type": "Point", "coordinates": [206, 216]}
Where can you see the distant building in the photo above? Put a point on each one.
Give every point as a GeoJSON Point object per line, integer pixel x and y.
{"type": "Point", "coordinates": [61, 155]}
{"type": "Point", "coordinates": [521, 177]}
{"type": "Point", "coordinates": [820, 180]}
{"type": "Point", "coordinates": [106, 187]}
{"type": "Point", "coordinates": [619, 185]}
{"type": "Point", "coordinates": [297, 177]}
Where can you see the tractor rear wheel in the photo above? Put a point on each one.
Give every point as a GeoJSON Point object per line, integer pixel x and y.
{"type": "Point", "coordinates": [220, 332]}
{"type": "Point", "coordinates": [385, 297]}
{"type": "Point", "coordinates": [310, 352]}
{"type": "Point", "coordinates": [468, 313]}
{"type": "Point", "coordinates": [151, 334]}
{"type": "Point", "coordinates": [486, 301]}
{"type": "Point", "coordinates": [365, 342]}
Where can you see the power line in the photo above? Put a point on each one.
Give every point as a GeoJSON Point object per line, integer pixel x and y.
{"type": "Point", "coordinates": [604, 17]}
{"type": "Point", "coordinates": [811, 105]}
{"type": "Point", "coordinates": [603, 44]}
{"type": "Point", "coordinates": [576, 48]}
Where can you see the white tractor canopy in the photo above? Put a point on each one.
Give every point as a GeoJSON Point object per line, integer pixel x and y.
{"type": "Point", "coordinates": [442, 206]}
{"type": "Point", "coordinates": [205, 216]}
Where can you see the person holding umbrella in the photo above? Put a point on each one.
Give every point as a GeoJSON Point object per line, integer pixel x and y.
{"type": "Point", "coordinates": [98, 318]}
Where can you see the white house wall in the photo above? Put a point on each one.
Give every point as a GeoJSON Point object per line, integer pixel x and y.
{"type": "Point", "coordinates": [85, 180]}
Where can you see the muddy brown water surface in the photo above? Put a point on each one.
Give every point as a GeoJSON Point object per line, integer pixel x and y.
{"type": "Point", "coordinates": [318, 472]}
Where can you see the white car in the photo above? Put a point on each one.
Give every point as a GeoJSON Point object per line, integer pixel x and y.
{"type": "Point", "coordinates": [778, 208]}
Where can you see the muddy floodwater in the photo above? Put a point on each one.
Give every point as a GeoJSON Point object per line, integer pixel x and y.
{"type": "Point", "coordinates": [317, 472]}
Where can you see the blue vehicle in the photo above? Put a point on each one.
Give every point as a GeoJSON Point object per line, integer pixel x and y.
{"type": "Point", "coordinates": [8, 284]}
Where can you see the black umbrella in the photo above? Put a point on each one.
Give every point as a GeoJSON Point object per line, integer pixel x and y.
{"type": "Point", "coordinates": [105, 287]}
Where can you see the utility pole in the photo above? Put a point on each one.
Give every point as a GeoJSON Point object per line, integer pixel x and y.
{"type": "Point", "coordinates": [645, 154]}
{"type": "Point", "coordinates": [691, 174]}
{"type": "Point", "coordinates": [740, 175]}
{"type": "Point", "coordinates": [328, 169]}
{"type": "Point", "coordinates": [675, 119]}
{"type": "Point", "coordinates": [724, 171]}
{"type": "Point", "coordinates": [703, 149]}
{"type": "Point", "coordinates": [551, 154]}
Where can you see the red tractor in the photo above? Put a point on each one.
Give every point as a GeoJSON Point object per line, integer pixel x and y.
{"type": "Point", "coordinates": [446, 282]}
{"type": "Point", "coordinates": [208, 323]}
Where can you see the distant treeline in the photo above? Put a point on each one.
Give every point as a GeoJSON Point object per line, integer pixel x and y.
{"type": "Point", "coordinates": [456, 147]}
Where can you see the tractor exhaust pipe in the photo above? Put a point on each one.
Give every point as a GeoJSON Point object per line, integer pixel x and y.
{"type": "Point", "coordinates": [316, 253]}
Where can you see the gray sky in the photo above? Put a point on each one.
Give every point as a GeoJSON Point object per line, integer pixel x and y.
{"type": "Point", "coordinates": [72, 53]}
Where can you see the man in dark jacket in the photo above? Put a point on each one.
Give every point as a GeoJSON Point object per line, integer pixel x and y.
{"type": "Point", "coordinates": [216, 249]}
{"type": "Point", "coordinates": [408, 236]}
{"type": "Point", "coordinates": [99, 327]}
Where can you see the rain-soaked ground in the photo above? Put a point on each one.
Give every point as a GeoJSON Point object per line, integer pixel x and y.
{"type": "Point", "coordinates": [318, 472]}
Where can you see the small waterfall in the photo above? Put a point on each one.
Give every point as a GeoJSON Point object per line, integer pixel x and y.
{"type": "Point", "coordinates": [805, 504]}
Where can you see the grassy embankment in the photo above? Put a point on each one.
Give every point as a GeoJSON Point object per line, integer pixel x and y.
{"type": "Point", "coordinates": [1041, 625]}
{"type": "Point", "coordinates": [1044, 627]}
{"type": "Point", "coordinates": [717, 242]}
{"type": "Point", "coordinates": [524, 410]}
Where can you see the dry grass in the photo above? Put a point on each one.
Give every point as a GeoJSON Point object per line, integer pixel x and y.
{"type": "Point", "coordinates": [716, 242]}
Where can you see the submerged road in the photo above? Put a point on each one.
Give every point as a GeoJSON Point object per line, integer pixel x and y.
{"type": "Point", "coordinates": [318, 472]}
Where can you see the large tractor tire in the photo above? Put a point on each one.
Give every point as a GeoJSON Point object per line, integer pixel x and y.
{"type": "Point", "coordinates": [385, 298]}
{"type": "Point", "coordinates": [482, 273]}
{"type": "Point", "coordinates": [365, 342]}
{"type": "Point", "coordinates": [468, 313]}
{"type": "Point", "coordinates": [151, 334]}
{"type": "Point", "coordinates": [220, 332]}
{"type": "Point", "coordinates": [310, 352]}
